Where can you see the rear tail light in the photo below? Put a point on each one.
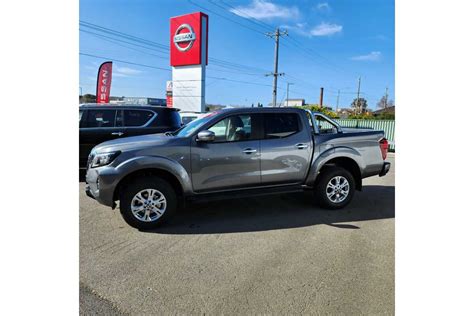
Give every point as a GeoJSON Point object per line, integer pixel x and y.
{"type": "Point", "coordinates": [383, 147]}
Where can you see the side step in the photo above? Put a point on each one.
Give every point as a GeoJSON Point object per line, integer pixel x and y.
{"type": "Point", "coordinates": [250, 192]}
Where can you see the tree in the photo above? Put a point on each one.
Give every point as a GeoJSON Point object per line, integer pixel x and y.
{"type": "Point", "coordinates": [360, 105]}
{"type": "Point", "coordinates": [320, 109]}
{"type": "Point", "coordinates": [383, 103]}
{"type": "Point", "coordinates": [87, 98]}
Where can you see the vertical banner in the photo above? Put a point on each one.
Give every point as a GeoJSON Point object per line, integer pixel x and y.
{"type": "Point", "coordinates": [104, 80]}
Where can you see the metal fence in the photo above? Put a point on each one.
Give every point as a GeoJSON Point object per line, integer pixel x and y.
{"type": "Point", "coordinates": [388, 126]}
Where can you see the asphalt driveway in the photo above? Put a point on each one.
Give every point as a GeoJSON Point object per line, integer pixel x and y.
{"type": "Point", "coordinates": [277, 254]}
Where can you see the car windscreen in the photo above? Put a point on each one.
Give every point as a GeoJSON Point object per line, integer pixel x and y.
{"type": "Point", "coordinates": [189, 128]}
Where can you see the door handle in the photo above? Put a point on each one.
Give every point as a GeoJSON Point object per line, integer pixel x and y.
{"type": "Point", "coordinates": [117, 133]}
{"type": "Point", "coordinates": [301, 146]}
{"type": "Point", "coordinates": [249, 151]}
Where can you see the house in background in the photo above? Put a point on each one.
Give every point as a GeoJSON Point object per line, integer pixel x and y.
{"type": "Point", "coordinates": [294, 102]}
{"type": "Point", "coordinates": [387, 110]}
{"type": "Point", "coordinates": [344, 112]}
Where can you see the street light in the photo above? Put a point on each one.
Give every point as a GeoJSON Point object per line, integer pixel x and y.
{"type": "Point", "coordinates": [288, 92]}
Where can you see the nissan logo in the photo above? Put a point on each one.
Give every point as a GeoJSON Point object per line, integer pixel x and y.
{"type": "Point", "coordinates": [184, 38]}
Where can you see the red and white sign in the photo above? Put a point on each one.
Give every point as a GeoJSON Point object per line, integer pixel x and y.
{"type": "Point", "coordinates": [188, 39]}
{"type": "Point", "coordinates": [104, 80]}
{"type": "Point", "coordinates": [169, 94]}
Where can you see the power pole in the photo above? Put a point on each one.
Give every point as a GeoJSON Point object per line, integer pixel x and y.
{"type": "Point", "coordinates": [321, 97]}
{"type": "Point", "coordinates": [358, 93]}
{"type": "Point", "coordinates": [287, 92]}
{"type": "Point", "coordinates": [337, 102]}
{"type": "Point", "coordinates": [386, 97]}
{"type": "Point", "coordinates": [275, 72]}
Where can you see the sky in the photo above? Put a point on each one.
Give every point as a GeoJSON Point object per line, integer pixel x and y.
{"type": "Point", "coordinates": [330, 44]}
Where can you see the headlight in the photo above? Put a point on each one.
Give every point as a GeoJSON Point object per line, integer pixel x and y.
{"type": "Point", "coordinates": [104, 159]}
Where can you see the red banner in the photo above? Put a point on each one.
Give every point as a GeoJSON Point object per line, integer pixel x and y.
{"type": "Point", "coordinates": [104, 80]}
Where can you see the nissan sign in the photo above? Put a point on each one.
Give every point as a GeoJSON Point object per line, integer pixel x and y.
{"type": "Point", "coordinates": [184, 37]}
{"type": "Point", "coordinates": [188, 39]}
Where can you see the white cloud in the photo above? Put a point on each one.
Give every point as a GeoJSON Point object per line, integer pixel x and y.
{"type": "Point", "coordinates": [323, 6]}
{"type": "Point", "coordinates": [372, 56]}
{"type": "Point", "coordinates": [326, 29]}
{"type": "Point", "coordinates": [125, 71]}
{"type": "Point", "coordinates": [323, 29]}
{"type": "Point", "coordinates": [265, 10]}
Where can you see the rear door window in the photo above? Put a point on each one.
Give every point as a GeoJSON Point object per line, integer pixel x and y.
{"type": "Point", "coordinates": [100, 118]}
{"type": "Point", "coordinates": [136, 117]}
{"type": "Point", "coordinates": [280, 125]}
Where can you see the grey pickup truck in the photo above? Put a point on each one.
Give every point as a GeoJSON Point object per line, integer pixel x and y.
{"type": "Point", "coordinates": [236, 152]}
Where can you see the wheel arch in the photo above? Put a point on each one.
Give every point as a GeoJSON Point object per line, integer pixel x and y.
{"type": "Point", "coordinates": [157, 172]}
{"type": "Point", "coordinates": [344, 157]}
{"type": "Point", "coordinates": [165, 168]}
{"type": "Point", "coordinates": [346, 163]}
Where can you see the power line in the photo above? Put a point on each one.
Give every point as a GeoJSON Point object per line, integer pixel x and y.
{"type": "Point", "coordinates": [160, 47]}
{"type": "Point", "coordinates": [125, 62]}
{"type": "Point", "coordinates": [159, 68]}
{"type": "Point", "coordinates": [224, 17]}
{"type": "Point", "coordinates": [113, 40]}
{"type": "Point", "coordinates": [265, 26]}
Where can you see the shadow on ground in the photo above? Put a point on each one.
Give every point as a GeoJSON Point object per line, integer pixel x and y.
{"type": "Point", "coordinates": [279, 212]}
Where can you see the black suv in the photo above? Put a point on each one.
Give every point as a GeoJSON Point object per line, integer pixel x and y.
{"type": "Point", "coordinates": [99, 123]}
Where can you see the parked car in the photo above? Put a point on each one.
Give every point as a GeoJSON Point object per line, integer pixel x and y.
{"type": "Point", "coordinates": [232, 153]}
{"type": "Point", "coordinates": [100, 123]}
{"type": "Point", "coordinates": [187, 117]}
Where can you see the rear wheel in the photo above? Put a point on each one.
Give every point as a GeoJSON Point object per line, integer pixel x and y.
{"type": "Point", "coordinates": [335, 188]}
{"type": "Point", "coordinates": [147, 202]}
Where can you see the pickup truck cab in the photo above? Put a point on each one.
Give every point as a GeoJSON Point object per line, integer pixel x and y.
{"type": "Point", "coordinates": [234, 152]}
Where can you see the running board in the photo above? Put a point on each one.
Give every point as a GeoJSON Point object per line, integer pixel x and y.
{"type": "Point", "coordinates": [230, 194]}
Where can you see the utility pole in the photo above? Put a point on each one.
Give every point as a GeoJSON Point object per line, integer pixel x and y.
{"type": "Point", "coordinates": [288, 92]}
{"type": "Point", "coordinates": [358, 93]}
{"type": "Point", "coordinates": [321, 94]}
{"type": "Point", "coordinates": [275, 72]}
{"type": "Point", "coordinates": [386, 97]}
{"type": "Point", "coordinates": [337, 102]}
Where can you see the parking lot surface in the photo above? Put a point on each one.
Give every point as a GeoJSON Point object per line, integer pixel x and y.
{"type": "Point", "coordinates": [276, 254]}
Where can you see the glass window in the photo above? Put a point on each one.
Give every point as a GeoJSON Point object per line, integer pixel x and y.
{"type": "Point", "coordinates": [233, 128]}
{"type": "Point", "coordinates": [80, 115]}
{"type": "Point", "coordinates": [324, 126]}
{"type": "Point", "coordinates": [189, 128]}
{"type": "Point", "coordinates": [136, 117]}
{"type": "Point", "coordinates": [188, 119]}
{"type": "Point", "coordinates": [119, 119]}
{"type": "Point", "coordinates": [101, 118]}
{"type": "Point", "coordinates": [175, 119]}
{"type": "Point", "coordinates": [279, 125]}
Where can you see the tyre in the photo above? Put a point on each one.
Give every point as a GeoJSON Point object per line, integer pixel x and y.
{"type": "Point", "coordinates": [335, 188]}
{"type": "Point", "coordinates": [147, 202]}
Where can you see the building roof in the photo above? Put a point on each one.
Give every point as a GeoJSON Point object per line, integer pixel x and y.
{"type": "Point", "coordinates": [389, 109]}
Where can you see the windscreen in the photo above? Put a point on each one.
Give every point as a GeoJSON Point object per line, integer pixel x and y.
{"type": "Point", "coordinates": [189, 128]}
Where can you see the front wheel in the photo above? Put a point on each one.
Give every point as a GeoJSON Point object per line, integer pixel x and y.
{"type": "Point", "coordinates": [147, 202]}
{"type": "Point", "coordinates": [335, 188]}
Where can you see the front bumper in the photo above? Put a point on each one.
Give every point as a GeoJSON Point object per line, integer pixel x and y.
{"type": "Point", "coordinates": [100, 184]}
{"type": "Point", "coordinates": [385, 169]}
{"type": "Point", "coordinates": [88, 192]}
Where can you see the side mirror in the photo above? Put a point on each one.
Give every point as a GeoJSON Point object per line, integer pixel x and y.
{"type": "Point", "coordinates": [205, 136]}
